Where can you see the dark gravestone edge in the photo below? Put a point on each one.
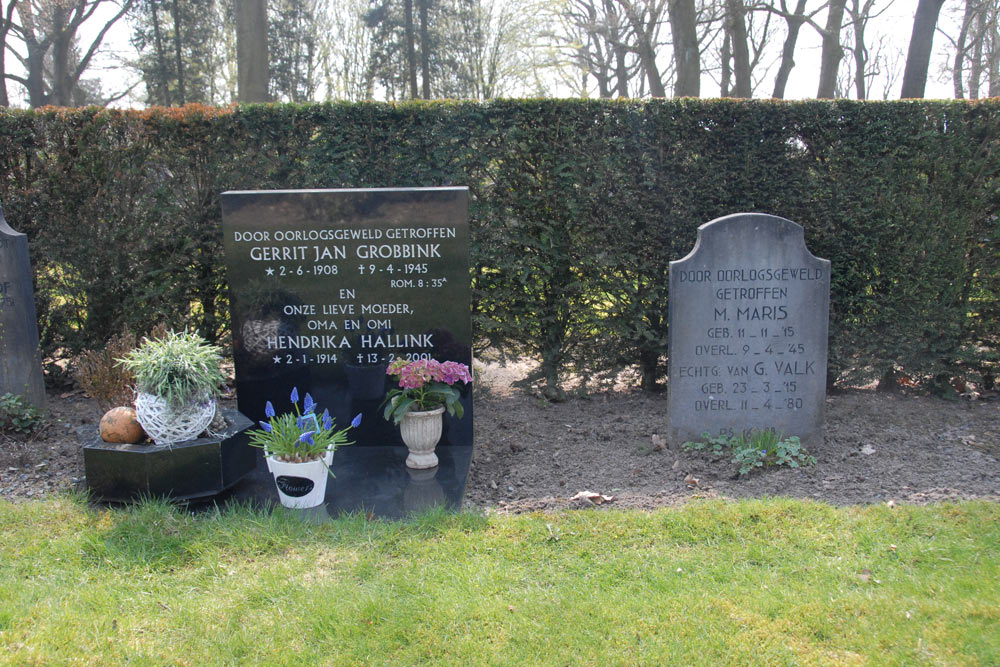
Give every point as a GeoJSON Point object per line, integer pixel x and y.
{"type": "Point", "coordinates": [21, 370]}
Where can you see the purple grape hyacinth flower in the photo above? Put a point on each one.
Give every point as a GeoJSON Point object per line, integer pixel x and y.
{"type": "Point", "coordinates": [308, 404]}
{"type": "Point", "coordinates": [295, 395]}
{"type": "Point", "coordinates": [266, 426]}
{"type": "Point", "coordinates": [269, 409]}
{"type": "Point", "coordinates": [356, 421]}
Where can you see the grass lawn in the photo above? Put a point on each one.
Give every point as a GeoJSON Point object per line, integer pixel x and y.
{"type": "Point", "coordinates": [756, 582]}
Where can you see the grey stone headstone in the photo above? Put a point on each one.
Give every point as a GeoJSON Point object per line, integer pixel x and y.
{"type": "Point", "coordinates": [749, 318]}
{"type": "Point", "coordinates": [20, 368]}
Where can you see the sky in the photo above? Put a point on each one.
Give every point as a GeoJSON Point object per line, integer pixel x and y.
{"type": "Point", "coordinates": [896, 22]}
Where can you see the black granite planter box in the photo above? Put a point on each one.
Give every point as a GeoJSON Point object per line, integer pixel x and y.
{"type": "Point", "coordinates": [182, 471]}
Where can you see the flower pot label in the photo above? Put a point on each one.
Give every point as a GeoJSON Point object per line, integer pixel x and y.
{"type": "Point", "coordinates": [749, 314]}
{"type": "Point", "coordinates": [328, 287]}
{"type": "Point", "coordinates": [296, 487]}
{"type": "Point", "coordinates": [20, 368]}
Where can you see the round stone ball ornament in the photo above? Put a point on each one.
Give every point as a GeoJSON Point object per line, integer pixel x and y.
{"type": "Point", "coordinates": [120, 426]}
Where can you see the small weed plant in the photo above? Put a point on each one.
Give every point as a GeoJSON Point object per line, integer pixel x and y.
{"type": "Point", "coordinates": [18, 416]}
{"type": "Point", "coordinates": [755, 449]}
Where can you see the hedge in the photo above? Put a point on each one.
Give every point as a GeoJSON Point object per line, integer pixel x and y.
{"type": "Point", "coordinates": [578, 206]}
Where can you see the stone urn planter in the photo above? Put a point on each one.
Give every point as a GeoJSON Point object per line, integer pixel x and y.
{"type": "Point", "coordinates": [423, 383]}
{"type": "Point", "coordinates": [421, 432]}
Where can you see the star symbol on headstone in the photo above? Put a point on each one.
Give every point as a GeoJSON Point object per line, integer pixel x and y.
{"type": "Point", "coordinates": [277, 359]}
{"type": "Point", "coordinates": [269, 271]}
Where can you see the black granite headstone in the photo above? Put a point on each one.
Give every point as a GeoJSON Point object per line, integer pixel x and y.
{"type": "Point", "coordinates": [749, 312]}
{"type": "Point", "coordinates": [327, 287]}
{"type": "Point", "coordinates": [20, 367]}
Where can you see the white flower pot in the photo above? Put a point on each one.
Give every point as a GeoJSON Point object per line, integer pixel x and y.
{"type": "Point", "coordinates": [166, 424]}
{"type": "Point", "coordinates": [421, 432]}
{"type": "Point", "coordinates": [301, 485]}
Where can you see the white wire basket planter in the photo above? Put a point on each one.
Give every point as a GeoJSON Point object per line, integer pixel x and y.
{"type": "Point", "coordinates": [166, 424]}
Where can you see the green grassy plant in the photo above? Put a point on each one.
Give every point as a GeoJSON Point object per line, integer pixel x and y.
{"type": "Point", "coordinates": [179, 367]}
{"type": "Point", "coordinates": [17, 415]}
{"type": "Point", "coordinates": [777, 581]}
{"type": "Point", "coordinates": [755, 449]}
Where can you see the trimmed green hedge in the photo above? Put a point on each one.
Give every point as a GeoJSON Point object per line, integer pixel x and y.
{"type": "Point", "coordinates": [577, 209]}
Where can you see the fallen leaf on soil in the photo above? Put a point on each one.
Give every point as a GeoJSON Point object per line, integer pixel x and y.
{"type": "Point", "coordinates": [968, 440]}
{"type": "Point", "coordinates": [595, 498]}
{"type": "Point", "coordinates": [659, 442]}
{"type": "Point", "coordinates": [691, 481]}
{"type": "Point", "coordinates": [867, 450]}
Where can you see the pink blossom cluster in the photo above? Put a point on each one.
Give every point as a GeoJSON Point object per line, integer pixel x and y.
{"type": "Point", "coordinates": [415, 374]}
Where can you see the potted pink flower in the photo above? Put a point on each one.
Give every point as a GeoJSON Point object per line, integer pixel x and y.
{"type": "Point", "coordinates": [425, 389]}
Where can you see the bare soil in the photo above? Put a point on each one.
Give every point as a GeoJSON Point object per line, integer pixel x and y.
{"type": "Point", "coordinates": [532, 454]}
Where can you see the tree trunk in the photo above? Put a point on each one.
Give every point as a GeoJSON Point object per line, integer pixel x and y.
{"type": "Point", "coordinates": [5, 23]}
{"type": "Point", "coordinates": [603, 79]}
{"type": "Point", "coordinates": [918, 57]}
{"type": "Point", "coordinates": [687, 59]}
{"type": "Point", "coordinates": [425, 50]}
{"type": "Point", "coordinates": [251, 50]}
{"type": "Point", "coordinates": [860, 52]}
{"type": "Point", "coordinates": [164, 97]}
{"type": "Point", "coordinates": [958, 65]}
{"type": "Point", "coordinates": [61, 87]}
{"type": "Point", "coordinates": [994, 71]}
{"type": "Point", "coordinates": [788, 50]}
{"type": "Point", "coordinates": [36, 75]}
{"type": "Point", "coordinates": [648, 365]}
{"type": "Point", "coordinates": [725, 90]}
{"type": "Point", "coordinates": [411, 52]}
{"type": "Point", "coordinates": [621, 71]}
{"type": "Point", "coordinates": [618, 50]}
{"type": "Point", "coordinates": [645, 49]}
{"type": "Point", "coordinates": [178, 58]}
{"type": "Point", "coordinates": [832, 53]}
{"type": "Point", "coordinates": [976, 64]}
{"type": "Point", "coordinates": [735, 16]}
